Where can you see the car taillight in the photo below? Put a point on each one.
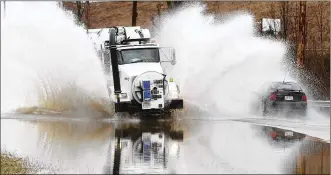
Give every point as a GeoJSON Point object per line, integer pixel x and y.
{"type": "Point", "coordinates": [304, 98]}
{"type": "Point", "coordinates": [273, 134]}
{"type": "Point", "coordinates": [273, 97]}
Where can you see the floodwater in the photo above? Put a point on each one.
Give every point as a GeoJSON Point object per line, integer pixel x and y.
{"type": "Point", "coordinates": [176, 146]}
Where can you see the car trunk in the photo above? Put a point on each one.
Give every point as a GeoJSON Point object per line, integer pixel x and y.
{"type": "Point", "coordinates": [289, 96]}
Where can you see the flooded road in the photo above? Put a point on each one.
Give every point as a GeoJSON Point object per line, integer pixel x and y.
{"type": "Point", "coordinates": [168, 146]}
{"type": "Point", "coordinates": [62, 146]}
{"type": "Point", "coordinates": [239, 62]}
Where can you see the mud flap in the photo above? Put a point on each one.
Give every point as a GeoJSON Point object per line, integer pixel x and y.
{"type": "Point", "coordinates": [176, 104]}
{"type": "Point", "coordinates": [121, 107]}
{"type": "Point", "coordinates": [126, 107]}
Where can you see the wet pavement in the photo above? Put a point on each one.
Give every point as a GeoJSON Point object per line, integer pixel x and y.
{"type": "Point", "coordinates": [150, 146]}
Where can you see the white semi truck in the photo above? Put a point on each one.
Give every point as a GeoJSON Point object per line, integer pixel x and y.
{"type": "Point", "coordinates": [134, 66]}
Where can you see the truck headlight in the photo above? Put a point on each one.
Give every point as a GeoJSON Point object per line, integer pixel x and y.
{"type": "Point", "coordinates": [123, 95]}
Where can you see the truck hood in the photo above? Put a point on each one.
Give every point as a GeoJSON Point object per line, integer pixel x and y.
{"type": "Point", "coordinates": [136, 69]}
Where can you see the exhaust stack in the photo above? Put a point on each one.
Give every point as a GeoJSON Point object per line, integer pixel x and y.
{"type": "Point", "coordinates": [114, 63]}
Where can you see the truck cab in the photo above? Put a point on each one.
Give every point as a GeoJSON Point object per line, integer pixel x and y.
{"type": "Point", "coordinates": [134, 67]}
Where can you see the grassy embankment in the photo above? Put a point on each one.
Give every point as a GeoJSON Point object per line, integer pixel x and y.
{"type": "Point", "coordinates": [12, 165]}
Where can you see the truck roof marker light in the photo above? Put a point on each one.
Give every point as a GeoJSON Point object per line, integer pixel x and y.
{"type": "Point", "coordinates": [171, 79]}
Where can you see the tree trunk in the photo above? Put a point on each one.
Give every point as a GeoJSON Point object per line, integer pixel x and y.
{"type": "Point", "coordinates": [174, 4]}
{"type": "Point", "coordinates": [302, 34]}
{"type": "Point", "coordinates": [321, 25]}
{"type": "Point", "coordinates": [170, 4]}
{"type": "Point", "coordinates": [134, 13]}
{"type": "Point", "coordinates": [87, 7]}
{"type": "Point", "coordinates": [284, 12]}
{"type": "Point", "coordinates": [159, 10]}
{"type": "Point", "coordinates": [79, 10]}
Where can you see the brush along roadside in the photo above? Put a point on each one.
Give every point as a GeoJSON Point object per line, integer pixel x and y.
{"type": "Point", "coordinates": [12, 165]}
{"type": "Point", "coordinates": [69, 99]}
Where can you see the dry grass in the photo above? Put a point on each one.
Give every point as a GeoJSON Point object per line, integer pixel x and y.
{"type": "Point", "coordinates": [12, 165]}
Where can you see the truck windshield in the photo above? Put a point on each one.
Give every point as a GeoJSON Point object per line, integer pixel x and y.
{"type": "Point", "coordinates": [139, 55]}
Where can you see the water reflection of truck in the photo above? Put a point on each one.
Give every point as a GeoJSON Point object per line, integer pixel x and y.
{"type": "Point", "coordinates": [145, 145]}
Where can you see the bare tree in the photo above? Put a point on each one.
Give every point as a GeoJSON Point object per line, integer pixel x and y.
{"type": "Point", "coordinates": [302, 34]}
{"type": "Point", "coordinates": [80, 10]}
{"type": "Point", "coordinates": [159, 10]}
{"type": "Point", "coordinates": [284, 18]}
{"type": "Point", "coordinates": [318, 14]}
{"type": "Point", "coordinates": [134, 13]}
{"type": "Point", "coordinates": [174, 4]}
{"type": "Point", "coordinates": [87, 7]}
{"type": "Point", "coordinates": [272, 23]}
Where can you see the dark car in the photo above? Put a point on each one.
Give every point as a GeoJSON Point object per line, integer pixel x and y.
{"type": "Point", "coordinates": [283, 97]}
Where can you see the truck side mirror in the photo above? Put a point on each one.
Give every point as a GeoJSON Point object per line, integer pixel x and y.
{"type": "Point", "coordinates": [173, 60]}
{"type": "Point", "coordinates": [167, 54]}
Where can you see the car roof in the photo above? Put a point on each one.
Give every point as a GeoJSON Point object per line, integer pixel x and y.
{"type": "Point", "coordinates": [270, 83]}
{"type": "Point", "coordinates": [296, 85]}
{"type": "Point", "coordinates": [285, 82]}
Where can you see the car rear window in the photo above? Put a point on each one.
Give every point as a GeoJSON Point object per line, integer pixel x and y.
{"type": "Point", "coordinates": [288, 86]}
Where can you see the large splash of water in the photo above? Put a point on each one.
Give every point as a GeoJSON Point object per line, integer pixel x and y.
{"type": "Point", "coordinates": [220, 61]}
{"type": "Point", "coordinates": [47, 60]}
